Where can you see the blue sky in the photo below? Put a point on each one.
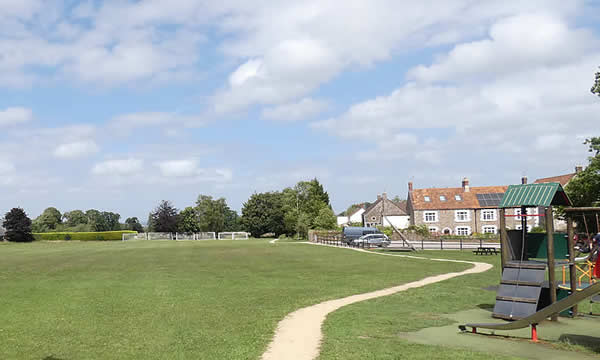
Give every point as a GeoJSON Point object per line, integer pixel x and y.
{"type": "Point", "coordinates": [118, 104]}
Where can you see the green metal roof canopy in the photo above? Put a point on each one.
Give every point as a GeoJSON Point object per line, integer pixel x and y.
{"type": "Point", "coordinates": [535, 195]}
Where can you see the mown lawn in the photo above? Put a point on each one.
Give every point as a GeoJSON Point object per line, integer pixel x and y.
{"type": "Point", "coordinates": [194, 300]}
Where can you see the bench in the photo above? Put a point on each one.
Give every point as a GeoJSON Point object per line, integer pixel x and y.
{"type": "Point", "coordinates": [485, 251]}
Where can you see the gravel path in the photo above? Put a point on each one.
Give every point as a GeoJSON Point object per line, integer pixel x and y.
{"type": "Point", "coordinates": [298, 336]}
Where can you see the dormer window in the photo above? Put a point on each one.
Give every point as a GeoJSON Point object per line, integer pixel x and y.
{"type": "Point", "coordinates": [442, 198]}
{"type": "Point", "coordinates": [427, 199]}
{"type": "Point", "coordinates": [457, 197]}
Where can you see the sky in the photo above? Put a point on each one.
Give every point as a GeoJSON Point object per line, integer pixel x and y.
{"type": "Point", "coordinates": [118, 104]}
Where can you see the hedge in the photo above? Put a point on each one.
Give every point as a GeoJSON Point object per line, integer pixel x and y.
{"type": "Point", "coordinates": [83, 236]}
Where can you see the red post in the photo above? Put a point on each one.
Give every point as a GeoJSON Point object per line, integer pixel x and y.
{"type": "Point", "coordinates": [534, 336]}
{"type": "Point", "coordinates": [474, 331]}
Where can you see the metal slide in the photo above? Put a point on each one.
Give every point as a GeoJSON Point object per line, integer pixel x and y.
{"type": "Point", "coordinates": [543, 314]}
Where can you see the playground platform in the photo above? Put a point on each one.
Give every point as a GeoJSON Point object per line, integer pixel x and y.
{"type": "Point", "coordinates": [580, 333]}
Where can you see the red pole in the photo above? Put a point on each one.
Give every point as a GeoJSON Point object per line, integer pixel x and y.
{"type": "Point", "coordinates": [534, 336]}
{"type": "Point", "coordinates": [474, 331]}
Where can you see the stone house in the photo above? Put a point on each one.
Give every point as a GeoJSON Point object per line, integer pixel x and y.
{"type": "Point", "coordinates": [463, 210]}
{"type": "Point", "coordinates": [386, 212]}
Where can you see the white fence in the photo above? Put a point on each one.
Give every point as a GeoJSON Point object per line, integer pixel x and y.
{"type": "Point", "coordinates": [186, 236]}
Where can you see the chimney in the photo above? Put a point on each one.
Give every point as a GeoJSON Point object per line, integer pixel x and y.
{"type": "Point", "coordinates": [578, 169]}
{"type": "Point", "coordinates": [378, 197]}
{"type": "Point", "coordinates": [410, 186]}
{"type": "Point", "coordinates": [384, 196]}
{"type": "Point", "coordinates": [465, 185]}
{"type": "Point", "coordinates": [524, 180]}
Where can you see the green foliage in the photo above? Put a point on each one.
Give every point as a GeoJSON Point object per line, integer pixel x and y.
{"type": "Point", "coordinates": [17, 225]}
{"type": "Point", "coordinates": [188, 221]}
{"type": "Point", "coordinates": [354, 207]}
{"type": "Point", "coordinates": [596, 87]}
{"type": "Point", "coordinates": [584, 189]}
{"type": "Point", "coordinates": [213, 214]}
{"type": "Point", "coordinates": [48, 220]}
{"type": "Point", "coordinates": [133, 224]}
{"type": "Point", "coordinates": [164, 218]}
{"type": "Point", "coordinates": [387, 230]}
{"type": "Point", "coordinates": [422, 230]}
{"type": "Point", "coordinates": [103, 221]}
{"type": "Point", "coordinates": [538, 229]}
{"type": "Point", "coordinates": [326, 219]}
{"type": "Point", "coordinates": [74, 218]}
{"type": "Point", "coordinates": [263, 213]}
{"type": "Point", "coordinates": [83, 236]}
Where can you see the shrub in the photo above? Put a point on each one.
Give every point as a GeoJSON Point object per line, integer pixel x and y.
{"type": "Point", "coordinates": [83, 236]}
{"type": "Point", "coordinates": [18, 226]}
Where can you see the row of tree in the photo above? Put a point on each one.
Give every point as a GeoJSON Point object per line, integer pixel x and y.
{"type": "Point", "coordinates": [207, 215]}
{"type": "Point", "coordinates": [290, 211]}
{"type": "Point", "coordinates": [52, 220]}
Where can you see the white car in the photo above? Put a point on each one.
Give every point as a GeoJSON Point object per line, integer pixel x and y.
{"type": "Point", "coordinates": [380, 240]}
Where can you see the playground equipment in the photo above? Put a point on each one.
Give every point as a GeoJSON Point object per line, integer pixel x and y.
{"type": "Point", "coordinates": [524, 296]}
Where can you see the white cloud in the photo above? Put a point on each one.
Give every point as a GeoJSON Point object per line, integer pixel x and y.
{"type": "Point", "coordinates": [190, 171]}
{"type": "Point", "coordinates": [177, 168]}
{"type": "Point", "coordinates": [124, 167]}
{"type": "Point", "coordinates": [516, 43]}
{"type": "Point", "coordinates": [288, 49]}
{"type": "Point", "coordinates": [15, 115]}
{"type": "Point", "coordinates": [76, 149]}
{"type": "Point", "coordinates": [125, 124]}
{"type": "Point", "coordinates": [303, 109]}
{"type": "Point", "coordinates": [6, 168]}
{"type": "Point", "coordinates": [538, 100]}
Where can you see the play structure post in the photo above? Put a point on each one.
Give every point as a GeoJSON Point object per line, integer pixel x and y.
{"type": "Point", "coordinates": [550, 251]}
{"type": "Point", "coordinates": [503, 239]}
{"type": "Point", "coordinates": [572, 267]}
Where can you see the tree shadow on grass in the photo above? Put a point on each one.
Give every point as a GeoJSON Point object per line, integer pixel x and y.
{"type": "Point", "coordinates": [52, 357]}
{"type": "Point", "coordinates": [589, 342]}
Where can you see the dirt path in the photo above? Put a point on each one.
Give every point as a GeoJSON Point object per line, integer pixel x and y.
{"type": "Point", "coordinates": [298, 336]}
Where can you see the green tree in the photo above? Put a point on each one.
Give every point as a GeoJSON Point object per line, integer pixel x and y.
{"type": "Point", "coordinates": [18, 226]}
{"type": "Point", "coordinates": [212, 213]}
{"type": "Point", "coordinates": [584, 189]}
{"type": "Point", "coordinates": [164, 218]}
{"type": "Point", "coordinates": [326, 219]}
{"type": "Point", "coordinates": [263, 214]}
{"type": "Point", "coordinates": [188, 221]}
{"type": "Point", "coordinates": [95, 220]}
{"type": "Point", "coordinates": [48, 220]}
{"type": "Point", "coordinates": [133, 224]}
{"type": "Point", "coordinates": [232, 221]}
{"type": "Point", "coordinates": [74, 218]}
{"type": "Point", "coordinates": [596, 87]}
{"type": "Point", "coordinates": [110, 221]}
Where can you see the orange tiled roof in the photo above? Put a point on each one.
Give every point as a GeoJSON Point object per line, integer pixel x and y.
{"type": "Point", "coordinates": [468, 199]}
{"type": "Point", "coordinates": [562, 179]}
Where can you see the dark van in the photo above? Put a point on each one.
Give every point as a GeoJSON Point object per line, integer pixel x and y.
{"type": "Point", "coordinates": [351, 233]}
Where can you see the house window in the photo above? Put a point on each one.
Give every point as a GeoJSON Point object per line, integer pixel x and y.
{"type": "Point", "coordinates": [490, 229]}
{"type": "Point", "coordinates": [373, 218]}
{"type": "Point", "coordinates": [430, 216]}
{"type": "Point", "coordinates": [447, 231]}
{"type": "Point", "coordinates": [463, 230]}
{"type": "Point", "coordinates": [462, 215]}
{"type": "Point", "coordinates": [457, 198]}
{"type": "Point", "coordinates": [488, 215]}
{"type": "Point", "coordinates": [442, 198]}
{"type": "Point", "coordinates": [520, 227]}
{"type": "Point", "coordinates": [433, 229]}
{"type": "Point", "coordinates": [427, 199]}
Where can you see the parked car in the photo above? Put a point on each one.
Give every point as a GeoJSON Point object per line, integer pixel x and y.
{"type": "Point", "coordinates": [352, 233]}
{"type": "Point", "coordinates": [380, 240]}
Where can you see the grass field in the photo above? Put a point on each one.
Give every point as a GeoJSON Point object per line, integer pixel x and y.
{"type": "Point", "coordinates": [176, 300]}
